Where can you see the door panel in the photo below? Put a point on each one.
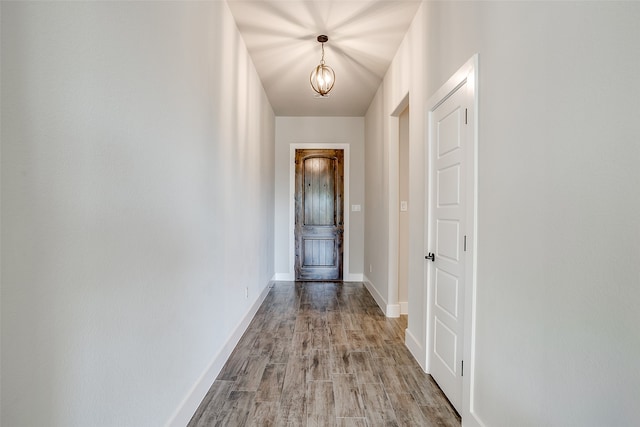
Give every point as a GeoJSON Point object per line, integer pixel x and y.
{"type": "Point", "coordinates": [446, 234]}
{"type": "Point", "coordinates": [449, 186]}
{"type": "Point", "coordinates": [449, 132]}
{"type": "Point", "coordinates": [447, 287]}
{"type": "Point", "coordinates": [447, 238]}
{"type": "Point", "coordinates": [318, 252]}
{"type": "Point", "coordinates": [319, 189]}
{"type": "Point", "coordinates": [445, 347]}
{"type": "Point", "coordinates": [319, 214]}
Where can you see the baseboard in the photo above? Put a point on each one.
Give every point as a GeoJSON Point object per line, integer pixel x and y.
{"type": "Point", "coordinates": [190, 403]}
{"type": "Point", "coordinates": [415, 348]}
{"type": "Point", "coordinates": [380, 300]}
{"type": "Point", "coordinates": [354, 277]}
{"type": "Point", "coordinates": [393, 310]}
{"type": "Point", "coordinates": [283, 277]}
{"type": "Point", "coordinates": [404, 308]}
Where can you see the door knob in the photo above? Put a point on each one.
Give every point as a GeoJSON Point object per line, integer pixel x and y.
{"type": "Point", "coordinates": [431, 256]}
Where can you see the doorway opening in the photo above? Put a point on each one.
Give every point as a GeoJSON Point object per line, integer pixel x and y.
{"type": "Point", "coordinates": [396, 260]}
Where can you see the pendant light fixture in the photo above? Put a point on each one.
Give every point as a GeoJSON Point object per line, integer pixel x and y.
{"type": "Point", "coordinates": [322, 77]}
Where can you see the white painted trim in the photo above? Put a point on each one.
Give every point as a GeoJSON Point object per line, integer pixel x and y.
{"type": "Point", "coordinates": [468, 74]}
{"type": "Point", "coordinates": [389, 310]}
{"type": "Point", "coordinates": [346, 148]}
{"type": "Point", "coordinates": [394, 204]}
{"type": "Point", "coordinates": [394, 208]}
{"type": "Point", "coordinates": [472, 418]}
{"type": "Point", "coordinates": [415, 348]}
{"type": "Point", "coordinates": [287, 277]}
{"type": "Point", "coordinates": [404, 307]}
{"type": "Point", "coordinates": [393, 310]}
{"type": "Point", "coordinates": [358, 277]}
{"type": "Point", "coordinates": [382, 303]}
{"type": "Point", "coordinates": [194, 397]}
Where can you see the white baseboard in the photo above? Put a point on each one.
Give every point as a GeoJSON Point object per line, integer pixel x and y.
{"type": "Point", "coordinates": [283, 277]}
{"type": "Point", "coordinates": [404, 308]}
{"type": "Point", "coordinates": [354, 277]}
{"type": "Point", "coordinates": [393, 310]}
{"type": "Point", "coordinates": [415, 348]}
{"type": "Point", "coordinates": [389, 310]}
{"type": "Point", "coordinates": [190, 403]}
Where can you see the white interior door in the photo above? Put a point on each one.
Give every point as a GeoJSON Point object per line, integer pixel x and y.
{"type": "Point", "coordinates": [447, 241]}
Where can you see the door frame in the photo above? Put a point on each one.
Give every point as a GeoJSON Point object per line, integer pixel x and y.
{"type": "Point", "coordinates": [393, 304]}
{"type": "Point", "coordinates": [346, 274]}
{"type": "Point", "coordinates": [468, 74]}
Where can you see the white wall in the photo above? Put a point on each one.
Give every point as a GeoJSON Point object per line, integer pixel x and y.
{"type": "Point", "coordinates": [314, 131]}
{"type": "Point", "coordinates": [137, 205]}
{"type": "Point", "coordinates": [376, 252]}
{"type": "Point", "coordinates": [559, 208]}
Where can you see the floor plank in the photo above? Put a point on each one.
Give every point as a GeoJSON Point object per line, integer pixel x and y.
{"type": "Point", "coordinates": [319, 365]}
{"type": "Point", "coordinates": [236, 409]}
{"type": "Point", "coordinates": [408, 412]}
{"type": "Point", "coordinates": [347, 395]}
{"type": "Point", "coordinates": [212, 403]}
{"type": "Point", "coordinates": [323, 354]}
{"type": "Point", "coordinates": [321, 409]}
{"type": "Point", "coordinates": [263, 414]}
{"type": "Point", "coordinates": [271, 383]}
{"type": "Point", "coordinates": [377, 406]}
{"type": "Point", "coordinates": [250, 376]}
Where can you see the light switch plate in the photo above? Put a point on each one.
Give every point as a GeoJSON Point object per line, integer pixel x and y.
{"type": "Point", "coordinates": [403, 206]}
{"type": "Point", "coordinates": [355, 208]}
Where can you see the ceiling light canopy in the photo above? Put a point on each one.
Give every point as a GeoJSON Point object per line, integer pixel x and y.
{"type": "Point", "coordinates": [322, 77]}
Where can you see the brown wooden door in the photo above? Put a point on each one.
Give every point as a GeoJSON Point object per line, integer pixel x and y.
{"type": "Point", "coordinates": [319, 208]}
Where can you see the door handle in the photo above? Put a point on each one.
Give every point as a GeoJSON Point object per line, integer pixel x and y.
{"type": "Point", "coordinates": [431, 256]}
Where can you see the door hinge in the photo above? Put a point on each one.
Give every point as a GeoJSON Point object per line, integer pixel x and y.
{"type": "Point", "coordinates": [462, 368]}
{"type": "Point", "coordinates": [466, 118]}
{"type": "Point", "coordinates": [465, 244]}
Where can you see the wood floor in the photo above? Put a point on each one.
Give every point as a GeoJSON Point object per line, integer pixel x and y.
{"type": "Point", "coordinates": [323, 354]}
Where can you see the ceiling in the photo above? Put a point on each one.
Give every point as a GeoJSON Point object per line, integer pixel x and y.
{"type": "Point", "coordinates": [364, 36]}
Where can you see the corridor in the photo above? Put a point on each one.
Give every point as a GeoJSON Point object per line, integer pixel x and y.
{"type": "Point", "coordinates": [323, 354]}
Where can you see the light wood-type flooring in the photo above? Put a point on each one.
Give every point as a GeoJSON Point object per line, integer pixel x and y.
{"type": "Point", "coordinates": [323, 354]}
